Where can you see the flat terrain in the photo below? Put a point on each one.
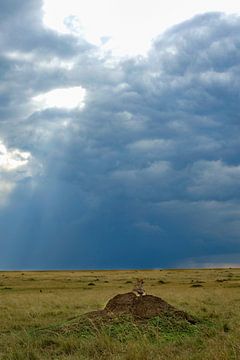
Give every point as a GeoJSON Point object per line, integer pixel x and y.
{"type": "Point", "coordinates": [36, 307]}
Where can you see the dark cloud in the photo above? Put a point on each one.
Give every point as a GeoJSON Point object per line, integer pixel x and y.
{"type": "Point", "coordinates": [146, 174]}
{"type": "Point", "coordinates": [22, 30]}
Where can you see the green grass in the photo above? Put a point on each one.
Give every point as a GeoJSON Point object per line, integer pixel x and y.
{"type": "Point", "coordinates": [40, 316]}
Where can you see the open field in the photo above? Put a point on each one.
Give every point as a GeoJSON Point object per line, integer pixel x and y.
{"type": "Point", "coordinates": [35, 305]}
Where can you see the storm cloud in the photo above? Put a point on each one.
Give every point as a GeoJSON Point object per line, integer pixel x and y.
{"type": "Point", "coordinates": [145, 174]}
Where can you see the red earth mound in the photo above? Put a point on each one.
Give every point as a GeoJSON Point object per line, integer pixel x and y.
{"type": "Point", "coordinates": [139, 307]}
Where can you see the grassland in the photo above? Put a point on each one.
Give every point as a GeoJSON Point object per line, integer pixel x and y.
{"type": "Point", "coordinates": [40, 314]}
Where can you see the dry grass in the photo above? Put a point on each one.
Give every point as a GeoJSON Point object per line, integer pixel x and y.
{"type": "Point", "coordinates": [31, 301]}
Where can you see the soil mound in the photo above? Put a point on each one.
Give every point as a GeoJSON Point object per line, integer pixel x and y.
{"type": "Point", "coordinates": [140, 308]}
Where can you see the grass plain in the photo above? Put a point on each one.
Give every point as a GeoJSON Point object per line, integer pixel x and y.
{"type": "Point", "coordinates": [36, 307]}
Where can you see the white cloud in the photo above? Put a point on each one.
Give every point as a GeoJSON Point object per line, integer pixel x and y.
{"type": "Point", "coordinates": [126, 27]}
{"type": "Point", "coordinates": [157, 170]}
{"type": "Point", "coordinates": [214, 178]}
{"type": "Point", "coordinates": [12, 159]}
{"type": "Point", "coordinates": [55, 63]}
{"type": "Point", "coordinates": [19, 55]}
{"type": "Point", "coordinates": [152, 145]}
{"type": "Point", "coordinates": [67, 98]}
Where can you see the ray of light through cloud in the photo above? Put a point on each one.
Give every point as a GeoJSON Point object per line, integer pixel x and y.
{"type": "Point", "coordinates": [112, 160]}
{"type": "Point", "coordinates": [12, 161]}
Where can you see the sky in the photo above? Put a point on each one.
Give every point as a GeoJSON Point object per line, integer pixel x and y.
{"type": "Point", "coordinates": [119, 134]}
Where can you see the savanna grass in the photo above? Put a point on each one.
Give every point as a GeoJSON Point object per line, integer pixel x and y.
{"type": "Point", "coordinates": [41, 316]}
